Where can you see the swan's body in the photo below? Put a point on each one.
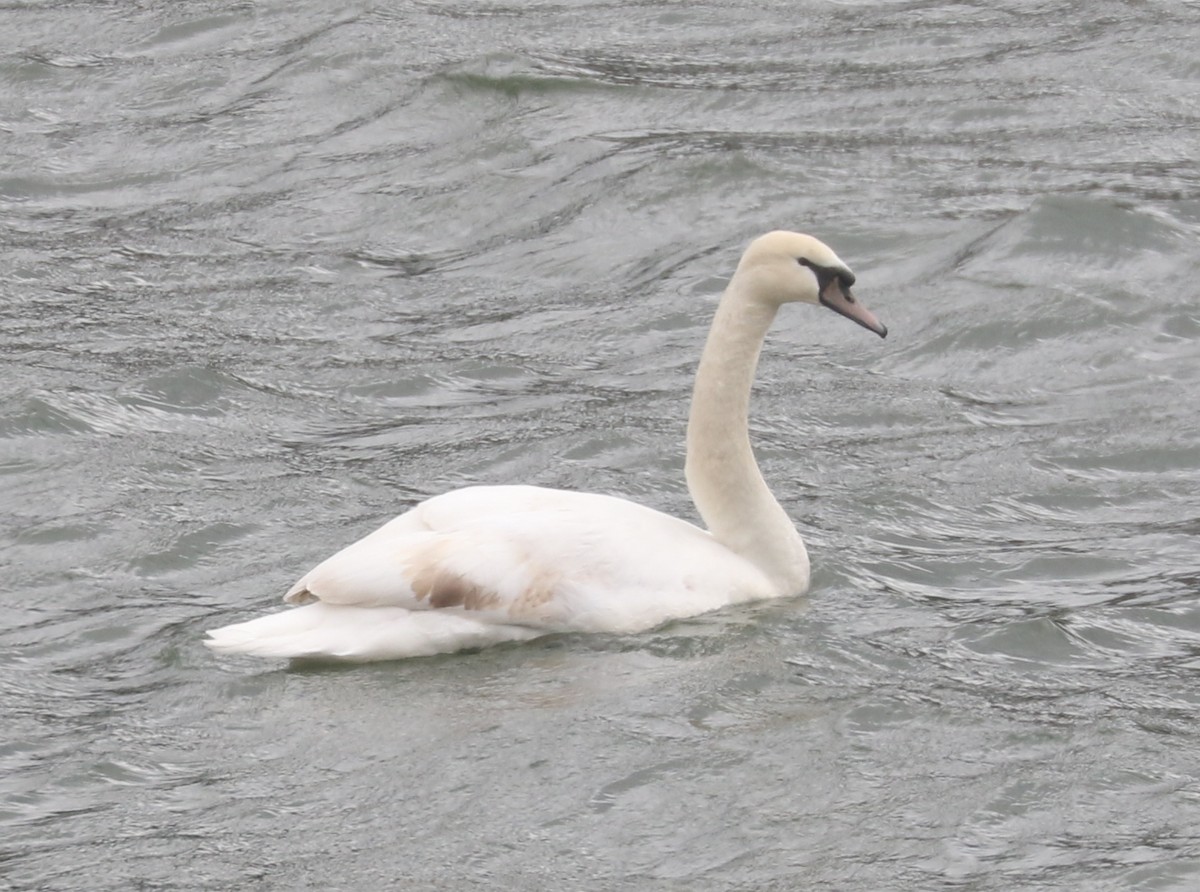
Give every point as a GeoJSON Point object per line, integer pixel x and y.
{"type": "Point", "coordinates": [488, 564]}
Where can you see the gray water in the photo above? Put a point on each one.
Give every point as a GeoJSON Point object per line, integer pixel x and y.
{"type": "Point", "coordinates": [273, 272]}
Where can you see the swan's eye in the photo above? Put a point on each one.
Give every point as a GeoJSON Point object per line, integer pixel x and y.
{"type": "Point", "coordinates": [825, 274]}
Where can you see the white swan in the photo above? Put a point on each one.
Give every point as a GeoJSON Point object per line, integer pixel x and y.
{"type": "Point", "coordinates": [487, 564]}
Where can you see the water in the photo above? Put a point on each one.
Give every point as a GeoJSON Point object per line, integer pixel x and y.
{"type": "Point", "coordinates": [272, 272]}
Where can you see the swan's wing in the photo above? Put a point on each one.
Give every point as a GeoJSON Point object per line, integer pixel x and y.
{"type": "Point", "coordinates": [540, 558]}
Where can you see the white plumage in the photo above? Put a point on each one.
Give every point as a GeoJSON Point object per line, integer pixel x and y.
{"type": "Point", "coordinates": [489, 564]}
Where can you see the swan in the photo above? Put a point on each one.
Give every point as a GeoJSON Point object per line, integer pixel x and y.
{"type": "Point", "coordinates": [488, 564]}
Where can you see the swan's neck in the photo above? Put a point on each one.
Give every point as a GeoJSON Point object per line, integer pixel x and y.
{"type": "Point", "coordinates": [726, 485]}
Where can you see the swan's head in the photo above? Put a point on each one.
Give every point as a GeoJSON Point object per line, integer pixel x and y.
{"type": "Point", "coordinates": [785, 267]}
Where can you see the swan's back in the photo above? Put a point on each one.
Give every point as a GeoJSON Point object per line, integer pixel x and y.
{"type": "Point", "coordinates": [487, 564]}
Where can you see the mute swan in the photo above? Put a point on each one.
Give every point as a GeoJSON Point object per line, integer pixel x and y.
{"type": "Point", "coordinates": [486, 564]}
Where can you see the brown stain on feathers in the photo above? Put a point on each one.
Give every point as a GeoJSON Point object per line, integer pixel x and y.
{"type": "Point", "coordinates": [441, 587]}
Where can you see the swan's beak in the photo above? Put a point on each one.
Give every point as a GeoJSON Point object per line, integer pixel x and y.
{"type": "Point", "coordinates": [839, 299]}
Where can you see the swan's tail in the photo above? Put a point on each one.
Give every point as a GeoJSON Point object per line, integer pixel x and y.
{"type": "Point", "coordinates": [360, 634]}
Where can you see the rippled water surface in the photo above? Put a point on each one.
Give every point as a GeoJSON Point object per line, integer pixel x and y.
{"type": "Point", "coordinates": [272, 272]}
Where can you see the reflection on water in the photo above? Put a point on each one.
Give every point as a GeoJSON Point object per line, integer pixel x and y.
{"type": "Point", "coordinates": [273, 273]}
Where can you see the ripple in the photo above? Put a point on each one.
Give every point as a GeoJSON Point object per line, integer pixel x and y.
{"type": "Point", "coordinates": [162, 402]}
{"type": "Point", "coordinates": [269, 281]}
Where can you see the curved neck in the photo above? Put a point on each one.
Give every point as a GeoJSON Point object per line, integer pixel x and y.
{"type": "Point", "coordinates": [722, 475]}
